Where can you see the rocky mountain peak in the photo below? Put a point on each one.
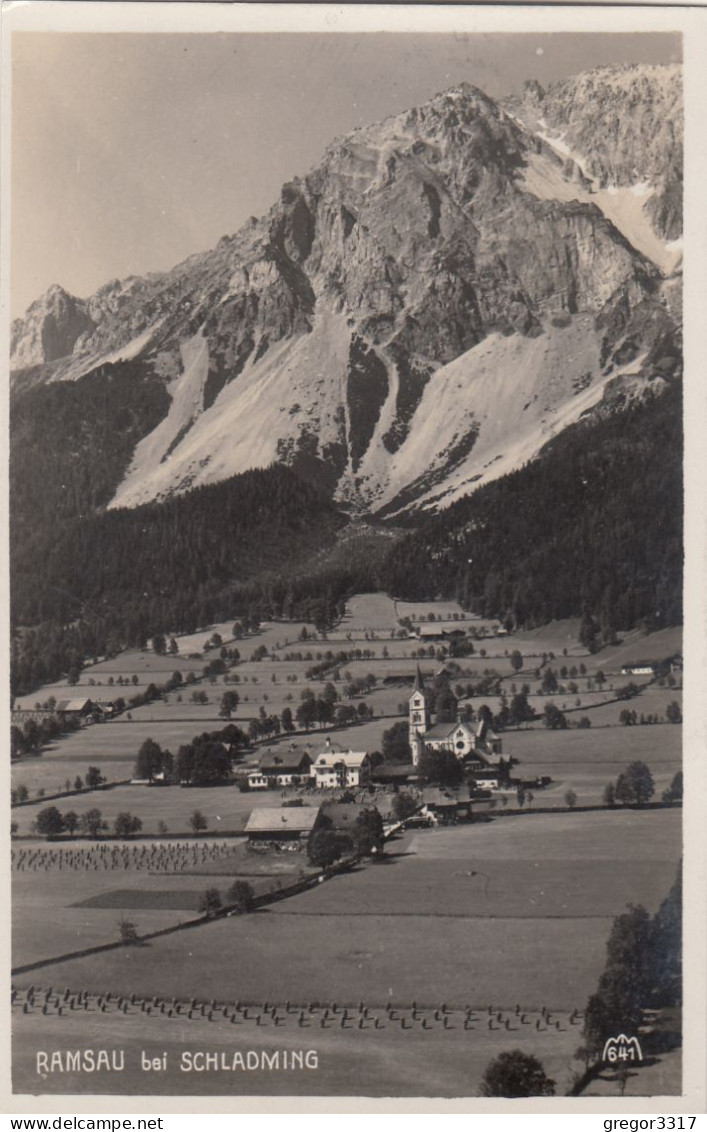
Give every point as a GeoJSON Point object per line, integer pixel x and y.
{"type": "Point", "coordinates": [623, 126]}
{"type": "Point", "coordinates": [417, 314]}
{"type": "Point", "coordinates": [50, 328]}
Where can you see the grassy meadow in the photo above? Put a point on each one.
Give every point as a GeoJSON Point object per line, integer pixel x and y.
{"type": "Point", "coordinates": [389, 1060]}
{"type": "Point", "coordinates": [514, 911]}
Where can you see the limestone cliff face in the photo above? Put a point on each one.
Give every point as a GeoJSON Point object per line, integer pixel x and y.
{"type": "Point", "coordinates": [50, 329]}
{"type": "Point", "coordinates": [625, 124]}
{"type": "Point", "coordinates": [369, 326]}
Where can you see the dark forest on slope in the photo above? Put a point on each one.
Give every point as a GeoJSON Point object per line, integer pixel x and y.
{"type": "Point", "coordinates": [70, 445]}
{"type": "Point", "coordinates": [250, 545]}
{"type": "Point", "coordinates": [594, 524]}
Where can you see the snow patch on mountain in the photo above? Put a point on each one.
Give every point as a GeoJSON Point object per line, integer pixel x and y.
{"type": "Point", "coordinates": [558, 143]}
{"type": "Point", "coordinates": [623, 205]}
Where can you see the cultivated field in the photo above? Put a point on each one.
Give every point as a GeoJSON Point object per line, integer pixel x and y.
{"type": "Point", "coordinates": [84, 889]}
{"type": "Point", "coordinates": [587, 760]}
{"type": "Point", "coordinates": [392, 1056]}
{"type": "Point", "coordinates": [274, 683]}
{"type": "Point", "coordinates": [525, 934]}
{"type": "Point", "coordinates": [511, 912]}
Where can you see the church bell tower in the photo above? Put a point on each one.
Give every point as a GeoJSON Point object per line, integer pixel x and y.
{"type": "Point", "coordinates": [419, 718]}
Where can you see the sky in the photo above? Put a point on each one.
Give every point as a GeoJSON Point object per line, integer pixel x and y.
{"type": "Point", "coordinates": [132, 151]}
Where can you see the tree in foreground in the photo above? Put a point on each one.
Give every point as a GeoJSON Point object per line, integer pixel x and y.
{"type": "Point", "coordinates": [626, 985]}
{"type": "Point", "coordinates": [241, 895]}
{"type": "Point", "coordinates": [149, 760]}
{"type": "Point", "coordinates": [210, 902]}
{"type": "Point", "coordinates": [622, 791]}
{"type": "Point", "coordinates": [198, 822]}
{"type": "Point", "coordinates": [71, 822]}
{"type": "Point", "coordinates": [516, 1074]}
{"type": "Point", "coordinates": [229, 703]}
{"type": "Point", "coordinates": [520, 709]}
{"type": "Point", "coordinates": [673, 712]}
{"type": "Point", "coordinates": [395, 745]}
{"type": "Point", "coordinates": [49, 822]}
{"type": "Point", "coordinates": [368, 833]}
{"type": "Point", "coordinates": [555, 719]}
{"type": "Point", "coordinates": [324, 848]}
{"type": "Point", "coordinates": [92, 823]}
{"type": "Point", "coordinates": [128, 933]}
{"type": "Point", "coordinates": [404, 805]}
{"type": "Point", "coordinates": [674, 792]}
{"type": "Point", "coordinates": [440, 767]}
{"type": "Point", "coordinates": [204, 762]}
{"type": "Point", "coordinates": [640, 782]}
{"type": "Point", "coordinates": [126, 825]}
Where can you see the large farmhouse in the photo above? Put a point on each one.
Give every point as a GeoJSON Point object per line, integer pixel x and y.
{"type": "Point", "coordinates": [275, 770]}
{"type": "Point", "coordinates": [282, 823]}
{"type": "Point", "coordinates": [339, 769]}
{"type": "Point", "coordinates": [81, 708]}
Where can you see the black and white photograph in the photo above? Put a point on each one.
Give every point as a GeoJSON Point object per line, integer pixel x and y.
{"type": "Point", "coordinates": [346, 552]}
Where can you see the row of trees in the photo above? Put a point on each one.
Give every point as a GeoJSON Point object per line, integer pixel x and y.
{"type": "Point", "coordinates": [240, 896]}
{"type": "Point", "coordinates": [207, 759]}
{"type": "Point", "coordinates": [634, 786]}
{"type": "Point", "coordinates": [51, 822]}
{"type": "Point", "coordinates": [94, 778]}
{"type": "Point", "coordinates": [673, 714]}
{"type": "Point", "coordinates": [36, 733]}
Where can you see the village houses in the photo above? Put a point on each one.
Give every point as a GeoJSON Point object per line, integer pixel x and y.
{"type": "Point", "coordinates": [339, 769]}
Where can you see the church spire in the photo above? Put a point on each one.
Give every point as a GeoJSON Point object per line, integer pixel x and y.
{"type": "Point", "coordinates": [419, 721]}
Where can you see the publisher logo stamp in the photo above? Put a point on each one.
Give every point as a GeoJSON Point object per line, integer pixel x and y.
{"type": "Point", "coordinates": [621, 1049]}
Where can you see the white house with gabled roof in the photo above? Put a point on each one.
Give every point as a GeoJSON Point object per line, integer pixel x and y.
{"type": "Point", "coordinates": [338, 769]}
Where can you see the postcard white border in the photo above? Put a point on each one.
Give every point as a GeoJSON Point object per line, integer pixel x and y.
{"type": "Point", "coordinates": [70, 16]}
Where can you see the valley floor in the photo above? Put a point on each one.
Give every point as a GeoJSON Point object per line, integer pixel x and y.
{"type": "Point", "coordinates": [487, 925]}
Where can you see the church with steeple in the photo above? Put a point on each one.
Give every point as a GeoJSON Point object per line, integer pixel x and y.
{"type": "Point", "coordinates": [480, 744]}
{"type": "Point", "coordinates": [420, 717]}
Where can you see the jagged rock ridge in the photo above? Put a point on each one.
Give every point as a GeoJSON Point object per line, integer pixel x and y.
{"type": "Point", "coordinates": [417, 315]}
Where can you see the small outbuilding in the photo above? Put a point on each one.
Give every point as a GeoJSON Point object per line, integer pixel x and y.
{"type": "Point", "coordinates": [446, 806]}
{"type": "Point", "coordinates": [394, 774]}
{"type": "Point", "coordinates": [80, 708]}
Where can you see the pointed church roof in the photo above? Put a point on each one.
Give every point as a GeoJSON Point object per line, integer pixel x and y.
{"type": "Point", "coordinates": [419, 685]}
